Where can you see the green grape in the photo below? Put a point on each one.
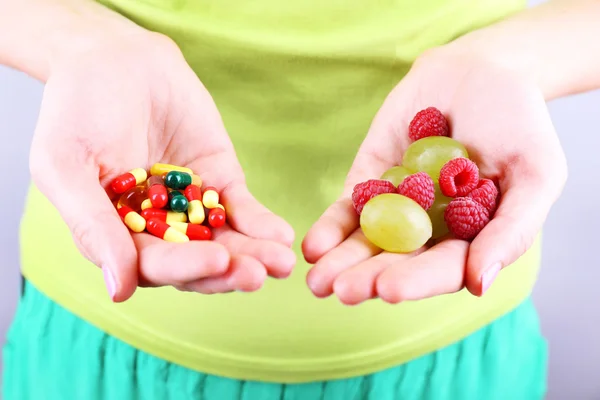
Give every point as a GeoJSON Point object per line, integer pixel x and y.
{"type": "Point", "coordinates": [395, 223]}
{"type": "Point", "coordinates": [431, 153]}
{"type": "Point", "coordinates": [396, 174]}
{"type": "Point", "coordinates": [436, 213]}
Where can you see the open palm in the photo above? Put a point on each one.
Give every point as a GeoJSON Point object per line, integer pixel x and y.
{"type": "Point", "coordinates": [99, 120]}
{"type": "Point", "coordinates": [503, 121]}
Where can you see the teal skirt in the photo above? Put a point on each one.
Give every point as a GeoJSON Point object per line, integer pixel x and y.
{"type": "Point", "coordinates": [51, 354]}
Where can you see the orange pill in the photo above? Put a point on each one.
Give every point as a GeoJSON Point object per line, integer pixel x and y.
{"type": "Point", "coordinates": [216, 217]}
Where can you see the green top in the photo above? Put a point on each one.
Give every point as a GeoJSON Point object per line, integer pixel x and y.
{"type": "Point", "coordinates": [297, 84]}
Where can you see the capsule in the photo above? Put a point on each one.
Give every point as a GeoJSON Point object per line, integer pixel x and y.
{"type": "Point", "coordinates": [178, 180]}
{"type": "Point", "coordinates": [163, 215]}
{"type": "Point", "coordinates": [146, 204]}
{"type": "Point", "coordinates": [216, 217]}
{"type": "Point", "coordinates": [157, 191]}
{"type": "Point", "coordinates": [132, 219]}
{"type": "Point", "coordinates": [210, 198]}
{"type": "Point", "coordinates": [133, 198]}
{"type": "Point", "coordinates": [193, 232]}
{"type": "Point", "coordinates": [164, 231]}
{"type": "Point", "coordinates": [128, 180]}
{"type": "Point", "coordinates": [161, 169]}
{"type": "Point", "coordinates": [177, 201]}
{"type": "Point", "coordinates": [196, 213]}
{"type": "Point", "coordinates": [196, 180]}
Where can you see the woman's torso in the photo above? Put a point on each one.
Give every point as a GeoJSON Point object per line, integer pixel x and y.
{"type": "Point", "coordinates": [297, 84]}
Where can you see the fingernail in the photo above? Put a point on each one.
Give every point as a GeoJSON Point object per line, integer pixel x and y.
{"type": "Point", "coordinates": [111, 283]}
{"type": "Point", "coordinates": [489, 276]}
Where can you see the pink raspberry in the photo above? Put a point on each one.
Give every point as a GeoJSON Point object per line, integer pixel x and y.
{"type": "Point", "coordinates": [486, 194]}
{"type": "Point", "coordinates": [428, 122]}
{"type": "Point", "coordinates": [365, 191]}
{"type": "Point", "coordinates": [458, 177]}
{"type": "Point", "coordinates": [418, 187]}
{"type": "Point", "coordinates": [465, 218]}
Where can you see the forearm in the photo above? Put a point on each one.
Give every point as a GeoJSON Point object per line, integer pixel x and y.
{"type": "Point", "coordinates": [34, 34]}
{"type": "Point", "coordinates": [556, 44]}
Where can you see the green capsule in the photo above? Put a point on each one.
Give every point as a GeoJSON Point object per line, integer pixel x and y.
{"type": "Point", "coordinates": [177, 201]}
{"type": "Point", "coordinates": [178, 180]}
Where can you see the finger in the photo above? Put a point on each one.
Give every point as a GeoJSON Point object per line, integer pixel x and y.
{"type": "Point", "coordinates": [248, 216]}
{"type": "Point", "coordinates": [372, 160]}
{"type": "Point", "coordinates": [162, 263]}
{"type": "Point", "coordinates": [357, 284]}
{"type": "Point", "coordinates": [438, 270]}
{"type": "Point", "coordinates": [340, 219]}
{"type": "Point", "coordinates": [68, 177]}
{"type": "Point", "coordinates": [279, 260]}
{"type": "Point", "coordinates": [332, 228]}
{"type": "Point", "coordinates": [351, 252]}
{"type": "Point", "coordinates": [246, 274]}
{"type": "Point", "coordinates": [511, 232]}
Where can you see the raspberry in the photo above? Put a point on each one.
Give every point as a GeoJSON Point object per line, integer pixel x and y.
{"type": "Point", "coordinates": [428, 122]}
{"type": "Point", "coordinates": [486, 194]}
{"type": "Point", "coordinates": [458, 177]}
{"type": "Point", "coordinates": [365, 191]}
{"type": "Point", "coordinates": [465, 217]}
{"type": "Point", "coordinates": [418, 187]}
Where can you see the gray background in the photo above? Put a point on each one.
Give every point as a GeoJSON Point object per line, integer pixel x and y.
{"type": "Point", "coordinates": [564, 295]}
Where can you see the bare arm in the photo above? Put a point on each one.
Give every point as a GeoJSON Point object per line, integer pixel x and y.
{"type": "Point", "coordinates": [556, 44]}
{"type": "Point", "coordinates": [35, 34]}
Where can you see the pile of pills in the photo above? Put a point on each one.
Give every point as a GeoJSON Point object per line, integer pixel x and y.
{"type": "Point", "coordinates": [168, 203]}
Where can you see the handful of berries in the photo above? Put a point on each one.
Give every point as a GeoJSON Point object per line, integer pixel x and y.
{"type": "Point", "coordinates": [437, 190]}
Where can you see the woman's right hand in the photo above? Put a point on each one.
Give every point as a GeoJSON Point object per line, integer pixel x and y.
{"type": "Point", "coordinates": [128, 102]}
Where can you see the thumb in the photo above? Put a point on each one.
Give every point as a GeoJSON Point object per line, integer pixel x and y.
{"type": "Point", "coordinates": [70, 181]}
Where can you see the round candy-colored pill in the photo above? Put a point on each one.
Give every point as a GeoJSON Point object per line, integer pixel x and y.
{"type": "Point", "coordinates": [164, 231]}
{"type": "Point", "coordinates": [132, 219]}
{"type": "Point", "coordinates": [194, 232]}
{"type": "Point", "coordinates": [157, 191]}
{"type": "Point", "coordinates": [161, 169]}
{"type": "Point", "coordinates": [133, 198]}
{"type": "Point", "coordinates": [128, 180]}
{"type": "Point", "coordinates": [216, 217]}
{"type": "Point", "coordinates": [163, 215]}
{"type": "Point", "coordinates": [210, 198]}
{"type": "Point", "coordinates": [146, 204]}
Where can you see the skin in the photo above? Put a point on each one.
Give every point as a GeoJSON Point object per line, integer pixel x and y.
{"type": "Point", "coordinates": [492, 83]}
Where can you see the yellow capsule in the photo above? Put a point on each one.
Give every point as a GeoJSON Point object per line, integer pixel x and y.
{"type": "Point", "coordinates": [161, 169]}
{"type": "Point", "coordinates": [196, 180]}
{"type": "Point", "coordinates": [210, 198]}
{"type": "Point", "coordinates": [146, 204]}
{"type": "Point", "coordinates": [173, 235]}
{"type": "Point", "coordinates": [173, 216]}
{"type": "Point", "coordinates": [196, 212]}
{"type": "Point", "coordinates": [132, 219]}
{"type": "Point", "coordinates": [220, 206]}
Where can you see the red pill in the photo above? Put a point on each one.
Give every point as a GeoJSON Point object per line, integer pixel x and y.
{"type": "Point", "coordinates": [193, 192]}
{"type": "Point", "coordinates": [157, 192]}
{"type": "Point", "coordinates": [132, 219]}
{"type": "Point", "coordinates": [163, 215]}
{"type": "Point", "coordinates": [165, 231]}
{"type": "Point", "coordinates": [194, 232]}
{"type": "Point", "coordinates": [128, 180]}
{"type": "Point", "coordinates": [216, 217]}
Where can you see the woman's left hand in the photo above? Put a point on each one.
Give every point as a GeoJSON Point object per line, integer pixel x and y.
{"type": "Point", "coordinates": [502, 119]}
